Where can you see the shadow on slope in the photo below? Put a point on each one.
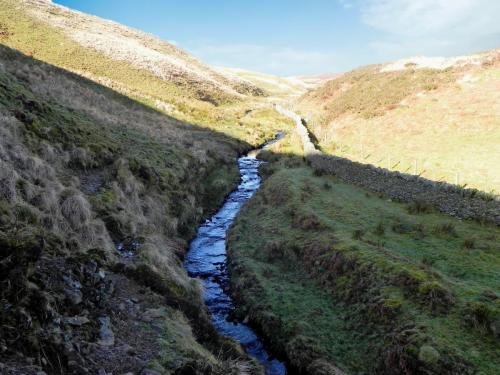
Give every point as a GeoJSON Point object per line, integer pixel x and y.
{"type": "Point", "coordinates": [341, 277]}
{"type": "Point", "coordinates": [81, 169]}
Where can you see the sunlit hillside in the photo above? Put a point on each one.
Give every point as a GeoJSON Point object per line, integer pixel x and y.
{"type": "Point", "coordinates": [434, 117]}
{"type": "Point", "coordinates": [275, 86]}
{"type": "Point", "coordinates": [131, 62]}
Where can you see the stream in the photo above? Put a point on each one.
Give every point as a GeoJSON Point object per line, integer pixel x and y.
{"type": "Point", "coordinates": [207, 261]}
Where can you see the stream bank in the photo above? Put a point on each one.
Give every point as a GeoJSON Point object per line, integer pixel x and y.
{"type": "Point", "coordinates": [207, 260]}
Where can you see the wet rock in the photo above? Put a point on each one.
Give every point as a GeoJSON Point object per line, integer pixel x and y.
{"type": "Point", "coordinates": [75, 368]}
{"type": "Point", "coordinates": [152, 314]}
{"type": "Point", "coordinates": [107, 337]}
{"type": "Point", "coordinates": [76, 320]}
{"type": "Point", "coordinates": [72, 291]}
{"type": "Point", "coordinates": [129, 350]}
{"type": "Point", "coordinates": [101, 274]}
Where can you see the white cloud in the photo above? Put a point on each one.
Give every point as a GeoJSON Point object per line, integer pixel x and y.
{"type": "Point", "coordinates": [346, 3]}
{"type": "Point", "coordinates": [433, 17]}
{"type": "Point", "coordinates": [429, 27]}
{"type": "Point", "coordinates": [279, 61]}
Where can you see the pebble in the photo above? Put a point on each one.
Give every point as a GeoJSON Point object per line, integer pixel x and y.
{"type": "Point", "coordinates": [107, 337]}
{"type": "Point", "coordinates": [75, 296]}
{"type": "Point", "coordinates": [151, 314]}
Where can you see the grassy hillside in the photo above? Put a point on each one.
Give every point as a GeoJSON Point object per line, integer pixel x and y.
{"type": "Point", "coordinates": [107, 166]}
{"type": "Point", "coordinates": [133, 63]}
{"type": "Point", "coordinates": [84, 169]}
{"type": "Point", "coordinates": [437, 118]}
{"type": "Point", "coordinates": [341, 278]}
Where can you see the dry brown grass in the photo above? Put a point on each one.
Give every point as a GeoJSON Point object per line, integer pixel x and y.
{"type": "Point", "coordinates": [76, 210]}
{"type": "Point", "coordinates": [29, 181]}
{"type": "Point", "coordinates": [447, 133]}
{"type": "Point", "coordinates": [145, 51]}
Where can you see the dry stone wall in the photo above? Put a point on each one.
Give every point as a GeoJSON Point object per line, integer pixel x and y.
{"type": "Point", "coordinates": [448, 198]}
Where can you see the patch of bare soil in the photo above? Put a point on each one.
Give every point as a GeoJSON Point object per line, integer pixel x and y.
{"type": "Point", "coordinates": [136, 316]}
{"type": "Point", "coordinates": [71, 315]}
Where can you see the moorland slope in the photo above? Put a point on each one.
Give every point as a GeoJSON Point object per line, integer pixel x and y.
{"type": "Point", "coordinates": [429, 116]}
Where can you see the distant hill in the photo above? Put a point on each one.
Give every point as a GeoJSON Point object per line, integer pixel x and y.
{"type": "Point", "coordinates": [273, 85]}
{"type": "Point", "coordinates": [279, 87]}
{"type": "Point", "coordinates": [314, 81]}
{"type": "Point", "coordinates": [433, 116]}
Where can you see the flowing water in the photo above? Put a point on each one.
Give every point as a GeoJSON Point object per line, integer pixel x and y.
{"type": "Point", "coordinates": [207, 260]}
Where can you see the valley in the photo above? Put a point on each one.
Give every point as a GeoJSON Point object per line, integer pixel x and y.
{"type": "Point", "coordinates": [159, 215]}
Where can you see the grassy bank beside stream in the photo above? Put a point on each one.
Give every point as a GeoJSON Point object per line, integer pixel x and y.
{"type": "Point", "coordinates": [340, 278]}
{"type": "Point", "coordinates": [83, 168]}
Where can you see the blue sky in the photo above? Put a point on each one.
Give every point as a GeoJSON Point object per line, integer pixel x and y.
{"type": "Point", "coordinates": [295, 37]}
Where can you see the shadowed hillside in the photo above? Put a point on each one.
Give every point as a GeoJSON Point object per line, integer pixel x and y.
{"type": "Point", "coordinates": [342, 280]}
{"type": "Point", "coordinates": [99, 195]}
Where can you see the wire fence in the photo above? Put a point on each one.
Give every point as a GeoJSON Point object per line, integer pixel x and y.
{"type": "Point", "coordinates": [463, 176]}
{"type": "Point", "coordinates": [476, 178]}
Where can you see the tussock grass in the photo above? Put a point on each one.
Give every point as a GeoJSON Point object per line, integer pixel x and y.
{"type": "Point", "coordinates": [75, 209]}
{"type": "Point", "coordinates": [469, 243]}
{"type": "Point", "coordinates": [446, 229]}
{"type": "Point", "coordinates": [419, 208]}
{"type": "Point", "coordinates": [379, 229]}
{"type": "Point", "coordinates": [358, 234]}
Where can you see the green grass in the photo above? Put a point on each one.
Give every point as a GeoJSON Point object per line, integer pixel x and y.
{"type": "Point", "coordinates": [152, 185]}
{"type": "Point", "coordinates": [373, 270]}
